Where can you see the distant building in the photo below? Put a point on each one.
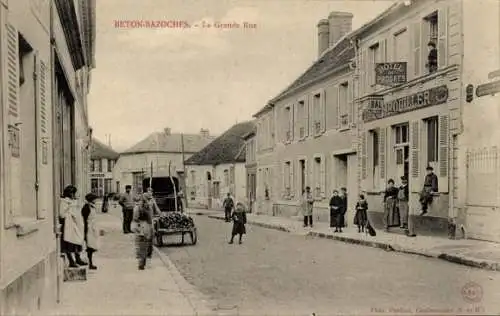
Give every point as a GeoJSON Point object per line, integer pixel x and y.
{"type": "Point", "coordinates": [251, 168]}
{"type": "Point", "coordinates": [158, 152]}
{"type": "Point", "coordinates": [218, 169]}
{"type": "Point", "coordinates": [102, 162]}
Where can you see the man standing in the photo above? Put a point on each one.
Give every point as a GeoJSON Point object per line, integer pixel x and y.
{"type": "Point", "coordinates": [307, 207]}
{"type": "Point", "coordinates": [430, 187]}
{"type": "Point", "coordinates": [343, 196]}
{"type": "Point", "coordinates": [127, 203]}
{"type": "Point", "coordinates": [228, 207]}
{"type": "Point", "coordinates": [403, 194]}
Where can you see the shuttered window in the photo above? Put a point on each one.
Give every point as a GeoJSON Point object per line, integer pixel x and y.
{"type": "Point", "coordinates": [444, 140]}
{"type": "Point", "coordinates": [416, 48]}
{"type": "Point", "coordinates": [333, 99]}
{"type": "Point", "coordinates": [319, 176]}
{"type": "Point", "coordinates": [415, 155]}
{"type": "Point", "coordinates": [442, 41]}
{"type": "Point", "coordinates": [13, 70]}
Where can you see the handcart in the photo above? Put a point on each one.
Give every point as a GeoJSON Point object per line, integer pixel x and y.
{"type": "Point", "coordinates": [161, 230]}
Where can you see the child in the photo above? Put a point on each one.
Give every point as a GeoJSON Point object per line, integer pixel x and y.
{"type": "Point", "coordinates": [90, 230]}
{"type": "Point", "coordinates": [361, 215]}
{"type": "Point", "coordinates": [336, 215]}
{"type": "Point", "coordinates": [239, 220]}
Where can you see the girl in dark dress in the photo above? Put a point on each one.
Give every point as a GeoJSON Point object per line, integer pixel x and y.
{"type": "Point", "coordinates": [336, 215]}
{"type": "Point", "coordinates": [391, 216]}
{"type": "Point", "coordinates": [361, 215]}
{"type": "Point", "coordinates": [239, 220]}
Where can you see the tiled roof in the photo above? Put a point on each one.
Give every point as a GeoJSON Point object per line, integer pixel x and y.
{"type": "Point", "coordinates": [101, 151]}
{"type": "Point", "coordinates": [170, 143]}
{"type": "Point", "coordinates": [337, 56]}
{"type": "Point", "coordinates": [227, 148]}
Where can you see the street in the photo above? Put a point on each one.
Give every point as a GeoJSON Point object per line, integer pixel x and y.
{"type": "Point", "coordinates": [277, 272]}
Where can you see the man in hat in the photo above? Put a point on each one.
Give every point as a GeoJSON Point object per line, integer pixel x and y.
{"type": "Point", "coordinates": [403, 194]}
{"type": "Point", "coordinates": [430, 186]}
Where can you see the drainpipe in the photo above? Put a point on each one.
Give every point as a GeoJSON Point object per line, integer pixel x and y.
{"type": "Point", "coordinates": [355, 43]}
{"type": "Point", "coordinates": [57, 231]}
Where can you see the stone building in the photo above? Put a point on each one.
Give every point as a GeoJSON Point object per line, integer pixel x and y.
{"type": "Point", "coordinates": [156, 153]}
{"type": "Point", "coordinates": [412, 114]}
{"type": "Point", "coordinates": [102, 162]}
{"type": "Point", "coordinates": [306, 136]}
{"type": "Point", "coordinates": [218, 169]}
{"type": "Point", "coordinates": [45, 139]}
{"type": "Point", "coordinates": [251, 168]}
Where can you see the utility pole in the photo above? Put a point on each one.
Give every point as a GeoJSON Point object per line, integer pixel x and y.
{"type": "Point", "coordinates": [184, 170]}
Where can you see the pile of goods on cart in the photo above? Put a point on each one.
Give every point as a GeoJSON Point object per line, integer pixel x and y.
{"type": "Point", "coordinates": [175, 220]}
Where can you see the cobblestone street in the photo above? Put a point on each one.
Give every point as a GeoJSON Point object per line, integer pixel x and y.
{"type": "Point", "coordinates": [277, 272]}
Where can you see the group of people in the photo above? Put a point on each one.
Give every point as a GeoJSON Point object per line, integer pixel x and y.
{"type": "Point", "coordinates": [78, 228]}
{"type": "Point", "coordinates": [237, 214]}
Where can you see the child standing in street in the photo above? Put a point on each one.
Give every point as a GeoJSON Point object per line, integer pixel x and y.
{"type": "Point", "coordinates": [361, 213]}
{"type": "Point", "coordinates": [239, 220]}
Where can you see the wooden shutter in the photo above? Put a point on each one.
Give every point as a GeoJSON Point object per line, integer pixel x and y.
{"type": "Point", "coordinates": [383, 52]}
{"type": "Point", "coordinates": [292, 179]}
{"type": "Point", "coordinates": [381, 156]}
{"type": "Point", "coordinates": [415, 155]}
{"type": "Point", "coordinates": [284, 120]}
{"type": "Point", "coordinates": [442, 45]}
{"type": "Point", "coordinates": [416, 49]}
{"type": "Point", "coordinates": [322, 111]}
{"type": "Point", "coordinates": [350, 102]}
{"type": "Point", "coordinates": [335, 107]}
{"type": "Point", "coordinates": [364, 155]}
{"type": "Point", "coordinates": [322, 176]}
{"type": "Point", "coordinates": [12, 67]}
{"type": "Point", "coordinates": [444, 140]}
{"type": "Point", "coordinates": [291, 121]}
{"type": "Point", "coordinates": [306, 117]}
{"type": "Point", "coordinates": [283, 178]}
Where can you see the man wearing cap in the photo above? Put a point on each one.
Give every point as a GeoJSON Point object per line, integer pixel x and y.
{"type": "Point", "coordinates": [430, 186]}
{"type": "Point", "coordinates": [127, 202]}
{"type": "Point", "coordinates": [403, 194]}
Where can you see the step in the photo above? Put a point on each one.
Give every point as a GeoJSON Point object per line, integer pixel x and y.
{"type": "Point", "coordinates": [75, 274]}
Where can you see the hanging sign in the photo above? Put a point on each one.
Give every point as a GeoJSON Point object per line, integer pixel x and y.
{"type": "Point", "coordinates": [378, 110]}
{"type": "Point", "coordinates": [488, 88]}
{"type": "Point", "coordinates": [390, 74]}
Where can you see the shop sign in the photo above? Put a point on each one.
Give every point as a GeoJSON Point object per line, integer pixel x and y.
{"type": "Point", "coordinates": [488, 88]}
{"type": "Point", "coordinates": [378, 110]}
{"type": "Point", "coordinates": [390, 74]}
{"type": "Point", "coordinates": [97, 175]}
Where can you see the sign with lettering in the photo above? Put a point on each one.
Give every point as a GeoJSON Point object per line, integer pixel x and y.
{"type": "Point", "coordinates": [378, 110]}
{"type": "Point", "coordinates": [97, 175]}
{"type": "Point", "coordinates": [488, 88]}
{"type": "Point", "coordinates": [390, 74]}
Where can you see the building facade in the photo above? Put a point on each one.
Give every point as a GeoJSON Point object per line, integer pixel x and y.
{"type": "Point", "coordinates": [161, 154]}
{"type": "Point", "coordinates": [219, 169]}
{"type": "Point", "coordinates": [45, 139]}
{"type": "Point", "coordinates": [102, 162]}
{"type": "Point", "coordinates": [405, 126]}
{"type": "Point", "coordinates": [251, 169]}
{"type": "Point", "coordinates": [313, 130]}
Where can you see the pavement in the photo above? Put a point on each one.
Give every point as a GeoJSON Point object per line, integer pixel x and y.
{"type": "Point", "coordinates": [473, 253]}
{"type": "Point", "coordinates": [119, 288]}
{"type": "Point", "coordinates": [277, 273]}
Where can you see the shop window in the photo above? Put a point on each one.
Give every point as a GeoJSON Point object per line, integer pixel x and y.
{"type": "Point", "coordinates": [432, 141]}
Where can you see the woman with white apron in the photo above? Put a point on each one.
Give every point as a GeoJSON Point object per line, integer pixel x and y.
{"type": "Point", "coordinates": [71, 227]}
{"type": "Point", "coordinates": [90, 228]}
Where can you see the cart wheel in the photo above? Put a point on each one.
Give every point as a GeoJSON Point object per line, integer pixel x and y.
{"type": "Point", "coordinates": [194, 237]}
{"type": "Point", "coordinates": [159, 240]}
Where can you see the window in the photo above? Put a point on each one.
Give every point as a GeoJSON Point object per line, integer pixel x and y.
{"type": "Point", "coordinates": [344, 104]}
{"type": "Point", "coordinates": [193, 185]}
{"type": "Point", "coordinates": [400, 48]}
{"type": "Point", "coordinates": [432, 140]}
{"type": "Point", "coordinates": [402, 133]}
{"type": "Point", "coordinates": [374, 58]}
{"type": "Point", "coordinates": [226, 177]}
{"type": "Point", "coordinates": [317, 113]}
{"type": "Point", "coordinates": [304, 119]}
{"type": "Point", "coordinates": [111, 164]}
{"type": "Point", "coordinates": [431, 23]}
{"type": "Point", "coordinates": [375, 152]}
{"type": "Point", "coordinates": [317, 177]}
{"type": "Point", "coordinates": [287, 181]}
{"type": "Point", "coordinates": [99, 165]}
{"type": "Point", "coordinates": [92, 165]}
{"type": "Point", "coordinates": [231, 175]}
{"type": "Point", "coordinates": [287, 128]}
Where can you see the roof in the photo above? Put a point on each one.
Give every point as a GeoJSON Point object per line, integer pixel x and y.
{"type": "Point", "coordinates": [169, 143]}
{"type": "Point", "coordinates": [227, 148]}
{"type": "Point", "coordinates": [101, 151]}
{"type": "Point", "coordinates": [391, 9]}
{"type": "Point", "coordinates": [336, 57]}
{"type": "Point", "coordinates": [250, 134]}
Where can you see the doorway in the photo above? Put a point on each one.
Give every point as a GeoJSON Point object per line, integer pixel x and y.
{"type": "Point", "coordinates": [302, 168]}
{"type": "Point", "coordinates": [345, 168]}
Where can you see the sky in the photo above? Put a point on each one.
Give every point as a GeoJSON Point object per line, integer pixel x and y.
{"type": "Point", "coordinates": [186, 79]}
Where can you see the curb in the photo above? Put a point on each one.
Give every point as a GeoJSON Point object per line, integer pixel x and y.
{"type": "Point", "coordinates": [457, 259]}
{"type": "Point", "coordinates": [201, 304]}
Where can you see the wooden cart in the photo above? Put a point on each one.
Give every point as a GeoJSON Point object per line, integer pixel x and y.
{"type": "Point", "coordinates": [160, 232]}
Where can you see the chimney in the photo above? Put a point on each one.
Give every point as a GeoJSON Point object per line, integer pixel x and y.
{"type": "Point", "coordinates": [167, 131]}
{"type": "Point", "coordinates": [340, 25]}
{"type": "Point", "coordinates": [204, 132]}
{"type": "Point", "coordinates": [323, 36]}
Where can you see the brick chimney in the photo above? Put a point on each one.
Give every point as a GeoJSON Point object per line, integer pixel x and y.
{"type": "Point", "coordinates": [204, 132]}
{"type": "Point", "coordinates": [323, 36]}
{"type": "Point", "coordinates": [340, 25]}
{"type": "Point", "coordinates": [167, 131]}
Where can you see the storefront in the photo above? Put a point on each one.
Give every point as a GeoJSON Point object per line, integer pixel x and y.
{"type": "Point", "coordinates": [404, 129]}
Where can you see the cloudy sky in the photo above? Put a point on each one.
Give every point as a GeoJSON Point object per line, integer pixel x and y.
{"type": "Point", "coordinates": [188, 79]}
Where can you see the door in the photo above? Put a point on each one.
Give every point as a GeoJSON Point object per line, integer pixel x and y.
{"type": "Point", "coordinates": [352, 187]}
{"type": "Point", "coordinates": [302, 164]}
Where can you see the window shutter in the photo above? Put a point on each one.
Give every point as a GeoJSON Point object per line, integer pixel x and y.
{"type": "Point", "coordinates": [322, 176]}
{"type": "Point", "coordinates": [292, 178]}
{"type": "Point", "coordinates": [308, 176]}
{"type": "Point", "coordinates": [335, 107]}
{"type": "Point", "coordinates": [284, 123]}
{"type": "Point", "coordinates": [363, 155]}
{"type": "Point", "coordinates": [443, 153]}
{"type": "Point", "coordinates": [283, 178]}
{"type": "Point", "coordinates": [383, 52]}
{"type": "Point", "coordinates": [291, 121]}
{"type": "Point", "coordinates": [442, 45]}
{"type": "Point", "coordinates": [350, 102]}
{"type": "Point", "coordinates": [12, 66]}
{"type": "Point", "coordinates": [382, 149]}
{"type": "Point", "coordinates": [416, 48]}
{"type": "Point", "coordinates": [322, 111]}
{"type": "Point", "coordinates": [306, 117]}
{"type": "Point", "coordinates": [366, 68]}
{"type": "Point", "coordinates": [415, 155]}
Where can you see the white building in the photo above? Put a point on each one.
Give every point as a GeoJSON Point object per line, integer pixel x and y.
{"type": "Point", "coordinates": [102, 162]}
